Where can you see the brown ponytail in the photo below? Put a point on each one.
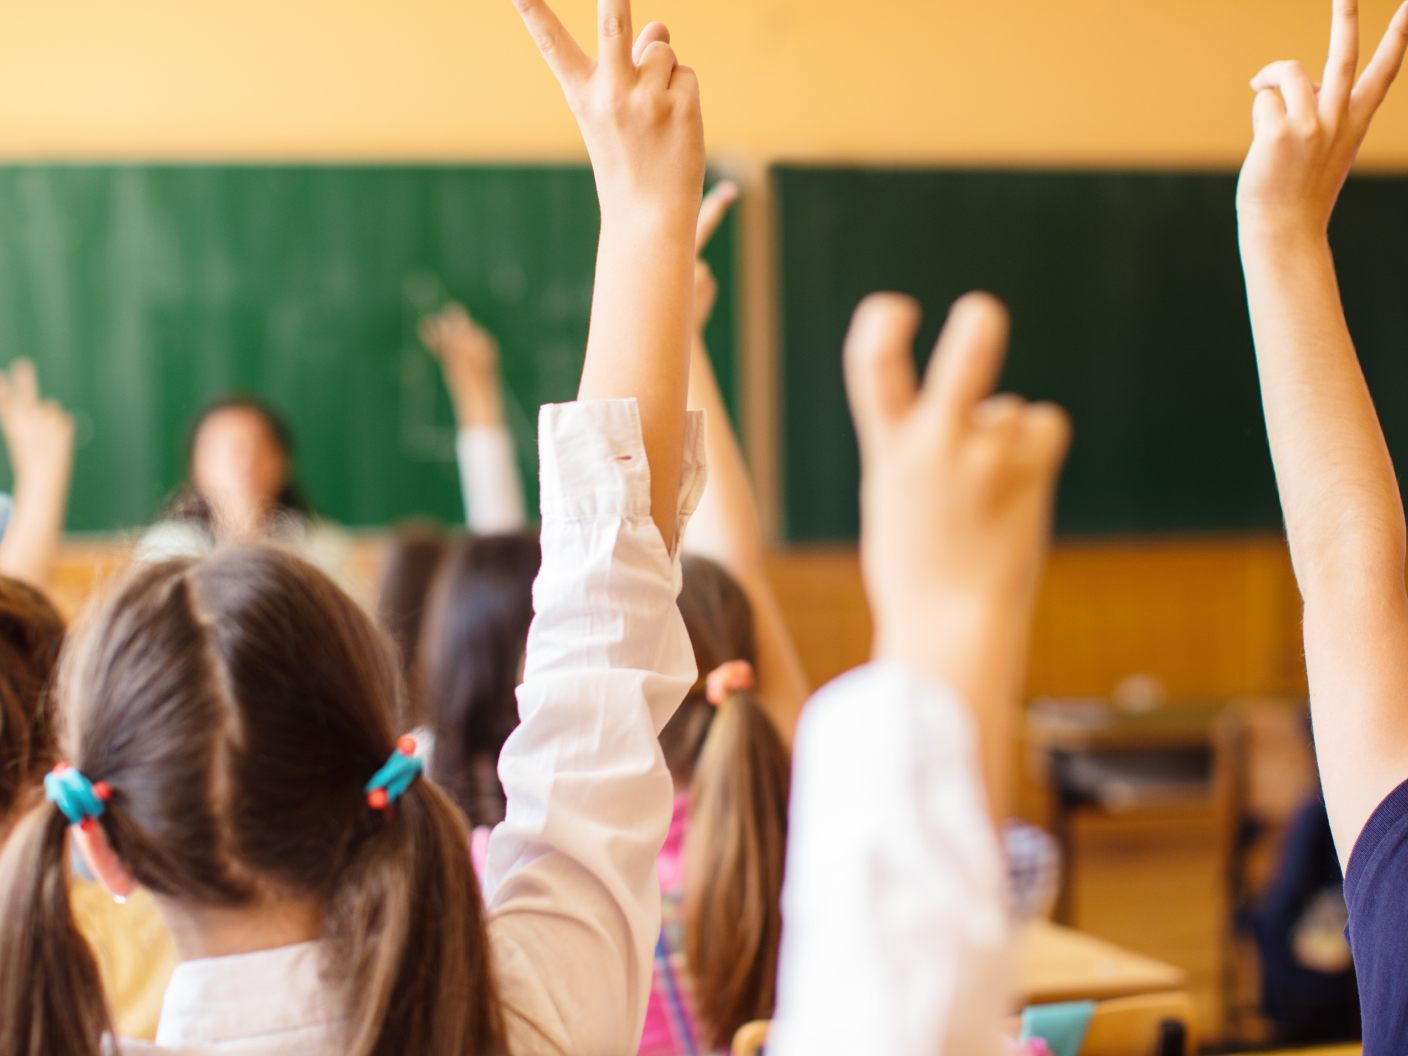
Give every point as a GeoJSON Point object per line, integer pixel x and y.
{"type": "Point", "coordinates": [737, 770]}
{"type": "Point", "coordinates": [405, 924]}
{"type": "Point", "coordinates": [237, 705]}
{"type": "Point", "coordinates": [51, 997]}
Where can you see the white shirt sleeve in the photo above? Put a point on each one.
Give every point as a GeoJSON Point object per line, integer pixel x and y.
{"type": "Point", "coordinates": [570, 883]}
{"type": "Point", "coordinates": [489, 480]}
{"type": "Point", "coordinates": [896, 934]}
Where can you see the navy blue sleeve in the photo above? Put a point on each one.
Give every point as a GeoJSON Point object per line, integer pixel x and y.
{"type": "Point", "coordinates": [1374, 888]}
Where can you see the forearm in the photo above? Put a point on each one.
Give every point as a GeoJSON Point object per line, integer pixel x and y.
{"type": "Point", "coordinates": [639, 340]}
{"type": "Point", "coordinates": [1344, 516]}
{"type": "Point", "coordinates": [478, 402]}
{"type": "Point", "coordinates": [30, 542]}
{"type": "Point", "coordinates": [727, 529]}
{"type": "Point", "coordinates": [981, 656]}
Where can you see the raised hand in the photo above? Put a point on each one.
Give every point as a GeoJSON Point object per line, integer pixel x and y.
{"type": "Point", "coordinates": [1306, 136]}
{"type": "Point", "coordinates": [639, 113]}
{"type": "Point", "coordinates": [711, 214]}
{"type": "Point", "coordinates": [469, 356]}
{"type": "Point", "coordinates": [957, 490]}
{"type": "Point", "coordinates": [38, 435]}
{"type": "Point", "coordinates": [637, 107]}
{"type": "Point", "coordinates": [958, 484]}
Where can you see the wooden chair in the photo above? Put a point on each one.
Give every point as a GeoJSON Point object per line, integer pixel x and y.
{"type": "Point", "coordinates": [1148, 1025]}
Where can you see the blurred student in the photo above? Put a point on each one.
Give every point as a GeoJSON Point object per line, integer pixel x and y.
{"type": "Point", "coordinates": [897, 935]}
{"type": "Point", "coordinates": [492, 488]}
{"type": "Point", "coordinates": [488, 460]}
{"type": "Point", "coordinates": [1343, 510]}
{"type": "Point", "coordinates": [240, 488]}
{"type": "Point", "coordinates": [413, 558]}
{"type": "Point", "coordinates": [134, 954]}
{"type": "Point", "coordinates": [471, 664]}
{"type": "Point", "coordinates": [38, 437]}
{"type": "Point", "coordinates": [234, 720]}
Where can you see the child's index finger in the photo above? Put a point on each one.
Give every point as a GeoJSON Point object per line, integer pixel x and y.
{"type": "Point", "coordinates": [613, 24]}
{"type": "Point", "coordinates": [967, 359]}
{"type": "Point", "coordinates": [564, 57]}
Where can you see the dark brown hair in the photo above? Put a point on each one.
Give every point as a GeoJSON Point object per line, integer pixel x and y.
{"type": "Point", "coordinates": [237, 706]}
{"type": "Point", "coordinates": [412, 559]}
{"type": "Point", "coordinates": [31, 634]}
{"type": "Point", "coordinates": [188, 504]}
{"type": "Point", "coordinates": [472, 653]}
{"type": "Point", "coordinates": [737, 770]}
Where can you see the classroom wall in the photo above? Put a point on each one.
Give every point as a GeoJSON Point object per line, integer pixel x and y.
{"type": "Point", "coordinates": [1084, 81]}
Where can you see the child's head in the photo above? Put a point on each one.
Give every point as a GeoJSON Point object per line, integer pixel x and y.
{"type": "Point", "coordinates": [472, 661]}
{"type": "Point", "coordinates": [239, 456]}
{"type": "Point", "coordinates": [723, 747]}
{"type": "Point", "coordinates": [403, 596]}
{"type": "Point", "coordinates": [237, 706]}
{"type": "Point", "coordinates": [31, 634]}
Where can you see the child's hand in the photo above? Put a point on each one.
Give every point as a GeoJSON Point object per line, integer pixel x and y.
{"type": "Point", "coordinates": [1306, 137]}
{"type": "Point", "coordinates": [469, 356]}
{"type": "Point", "coordinates": [957, 486]}
{"type": "Point", "coordinates": [638, 109]}
{"type": "Point", "coordinates": [38, 433]}
{"type": "Point", "coordinates": [711, 214]}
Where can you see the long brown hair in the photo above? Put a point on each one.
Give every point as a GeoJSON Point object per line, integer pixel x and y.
{"type": "Point", "coordinates": [737, 770]}
{"type": "Point", "coordinates": [403, 597]}
{"type": "Point", "coordinates": [237, 705]}
{"type": "Point", "coordinates": [471, 654]}
{"type": "Point", "coordinates": [31, 634]}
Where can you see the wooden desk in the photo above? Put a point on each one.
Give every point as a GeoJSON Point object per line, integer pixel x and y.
{"type": "Point", "coordinates": [1059, 964]}
{"type": "Point", "coordinates": [1333, 1050]}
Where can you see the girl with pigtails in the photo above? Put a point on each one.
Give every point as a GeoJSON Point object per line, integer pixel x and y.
{"type": "Point", "coordinates": [232, 721]}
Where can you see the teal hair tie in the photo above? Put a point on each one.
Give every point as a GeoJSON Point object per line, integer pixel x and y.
{"type": "Point", "coordinates": [396, 775]}
{"type": "Point", "coordinates": [79, 799]}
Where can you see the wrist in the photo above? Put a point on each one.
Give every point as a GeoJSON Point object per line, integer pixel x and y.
{"type": "Point", "coordinates": [1263, 227]}
{"type": "Point", "coordinates": [650, 216]}
{"type": "Point", "coordinates": [945, 640]}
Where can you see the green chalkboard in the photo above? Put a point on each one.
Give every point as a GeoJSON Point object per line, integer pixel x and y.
{"type": "Point", "coordinates": [1129, 309]}
{"type": "Point", "coordinates": [142, 291]}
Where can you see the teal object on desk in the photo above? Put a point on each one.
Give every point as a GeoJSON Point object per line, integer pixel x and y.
{"type": "Point", "coordinates": [1062, 1026]}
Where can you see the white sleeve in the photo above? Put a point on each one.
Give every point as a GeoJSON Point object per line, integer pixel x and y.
{"type": "Point", "coordinates": [570, 884]}
{"type": "Point", "coordinates": [171, 539]}
{"type": "Point", "coordinates": [896, 934]}
{"type": "Point", "coordinates": [489, 480]}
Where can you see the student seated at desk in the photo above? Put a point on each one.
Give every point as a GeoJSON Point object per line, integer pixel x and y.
{"type": "Point", "coordinates": [1340, 497]}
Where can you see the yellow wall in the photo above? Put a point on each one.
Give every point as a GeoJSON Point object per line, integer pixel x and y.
{"type": "Point", "coordinates": [1079, 81]}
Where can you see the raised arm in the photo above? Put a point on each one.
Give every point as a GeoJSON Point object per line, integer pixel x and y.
{"type": "Point", "coordinates": [639, 113]}
{"type": "Point", "coordinates": [1339, 495]}
{"type": "Point", "coordinates": [897, 936]}
{"type": "Point", "coordinates": [488, 461]}
{"type": "Point", "coordinates": [570, 881]}
{"type": "Point", "coordinates": [727, 528]}
{"type": "Point", "coordinates": [39, 436]}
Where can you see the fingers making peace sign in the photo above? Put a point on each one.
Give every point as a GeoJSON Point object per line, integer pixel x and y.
{"type": "Point", "coordinates": [1306, 136]}
{"type": "Point", "coordinates": [637, 107]}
